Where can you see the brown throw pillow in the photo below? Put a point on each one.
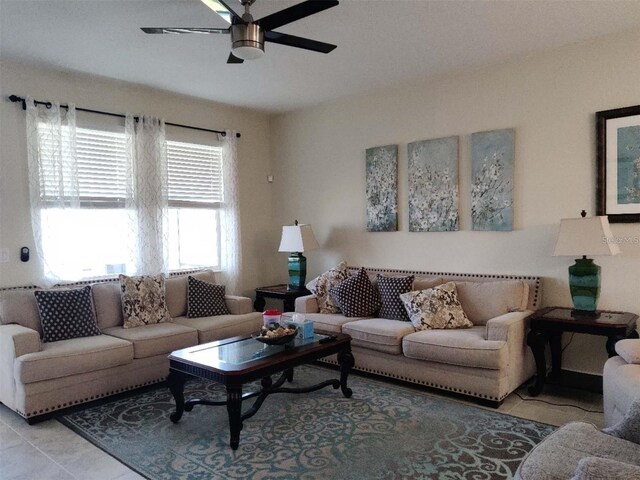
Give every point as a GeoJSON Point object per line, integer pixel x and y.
{"type": "Point", "coordinates": [143, 300]}
{"type": "Point", "coordinates": [435, 308]}
{"type": "Point", "coordinates": [356, 296]}
{"type": "Point", "coordinates": [326, 282]}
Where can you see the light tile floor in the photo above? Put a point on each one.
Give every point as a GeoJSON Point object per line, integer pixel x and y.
{"type": "Point", "coordinates": [50, 451]}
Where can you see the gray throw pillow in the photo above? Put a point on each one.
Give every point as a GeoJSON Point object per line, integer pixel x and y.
{"type": "Point", "coordinates": [629, 427]}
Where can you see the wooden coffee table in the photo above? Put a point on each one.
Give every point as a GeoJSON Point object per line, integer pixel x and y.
{"type": "Point", "coordinates": [236, 361]}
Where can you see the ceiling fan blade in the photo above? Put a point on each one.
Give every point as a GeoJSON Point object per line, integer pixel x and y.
{"type": "Point", "coordinates": [299, 42]}
{"type": "Point", "coordinates": [180, 30]}
{"type": "Point", "coordinates": [233, 59]}
{"type": "Point", "coordinates": [222, 9]}
{"type": "Point", "coordinates": [296, 12]}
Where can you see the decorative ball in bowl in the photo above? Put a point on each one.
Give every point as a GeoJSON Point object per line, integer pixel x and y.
{"type": "Point", "coordinates": [276, 334]}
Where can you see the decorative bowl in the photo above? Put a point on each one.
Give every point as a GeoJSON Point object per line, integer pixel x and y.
{"type": "Point", "coordinates": [281, 340]}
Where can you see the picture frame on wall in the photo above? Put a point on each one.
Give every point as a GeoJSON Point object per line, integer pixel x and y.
{"type": "Point", "coordinates": [618, 164]}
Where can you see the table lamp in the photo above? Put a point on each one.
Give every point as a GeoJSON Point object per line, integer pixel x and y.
{"type": "Point", "coordinates": [585, 236]}
{"type": "Point", "coordinates": [295, 240]}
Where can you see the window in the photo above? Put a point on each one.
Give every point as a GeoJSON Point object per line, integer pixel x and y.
{"type": "Point", "coordinates": [92, 240]}
{"type": "Point", "coordinates": [195, 196]}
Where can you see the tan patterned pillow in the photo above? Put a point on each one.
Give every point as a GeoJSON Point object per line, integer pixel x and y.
{"type": "Point", "coordinates": [326, 282]}
{"type": "Point", "coordinates": [436, 307]}
{"type": "Point", "coordinates": [143, 300]}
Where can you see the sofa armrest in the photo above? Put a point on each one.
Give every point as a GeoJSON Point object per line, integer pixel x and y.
{"type": "Point", "coordinates": [629, 350]}
{"type": "Point", "coordinates": [238, 305]}
{"type": "Point", "coordinates": [504, 327]}
{"type": "Point", "coordinates": [307, 304]}
{"type": "Point", "coordinates": [599, 467]}
{"type": "Point", "coordinates": [15, 341]}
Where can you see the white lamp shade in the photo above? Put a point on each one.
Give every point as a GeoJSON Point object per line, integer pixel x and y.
{"type": "Point", "coordinates": [585, 236]}
{"type": "Point", "coordinates": [297, 238]}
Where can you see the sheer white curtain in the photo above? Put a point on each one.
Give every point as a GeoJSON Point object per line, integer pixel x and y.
{"type": "Point", "coordinates": [53, 181]}
{"type": "Point", "coordinates": [231, 245]}
{"type": "Point", "coordinates": [147, 194]}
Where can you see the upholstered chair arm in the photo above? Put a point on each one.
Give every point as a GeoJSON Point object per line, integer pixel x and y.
{"type": "Point", "coordinates": [629, 350]}
{"type": "Point", "coordinates": [15, 341]}
{"type": "Point", "coordinates": [238, 305]}
{"type": "Point", "coordinates": [590, 468]}
{"type": "Point", "coordinates": [505, 327]}
{"type": "Point", "coordinates": [307, 304]}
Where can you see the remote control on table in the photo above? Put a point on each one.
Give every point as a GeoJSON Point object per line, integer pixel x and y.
{"type": "Point", "coordinates": [328, 339]}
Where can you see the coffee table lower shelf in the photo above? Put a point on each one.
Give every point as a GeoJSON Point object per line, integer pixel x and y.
{"type": "Point", "coordinates": [190, 363]}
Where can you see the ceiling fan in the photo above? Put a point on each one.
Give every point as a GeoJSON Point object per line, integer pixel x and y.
{"type": "Point", "coordinates": [248, 35]}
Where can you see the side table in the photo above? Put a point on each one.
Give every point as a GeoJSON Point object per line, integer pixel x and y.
{"type": "Point", "coordinates": [548, 325]}
{"type": "Point", "coordinates": [280, 292]}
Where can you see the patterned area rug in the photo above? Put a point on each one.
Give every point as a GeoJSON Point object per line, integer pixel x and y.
{"type": "Point", "coordinates": [384, 431]}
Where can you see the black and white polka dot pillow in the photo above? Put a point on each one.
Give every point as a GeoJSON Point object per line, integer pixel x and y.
{"type": "Point", "coordinates": [66, 314]}
{"type": "Point", "coordinates": [390, 289]}
{"type": "Point", "coordinates": [205, 299]}
{"type": "Point", "coordinates": [356, 296]}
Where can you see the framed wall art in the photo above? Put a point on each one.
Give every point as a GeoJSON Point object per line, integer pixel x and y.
{"type": "Point", "coordinates": [618, 164]}
{"type": "Point", "coordinates": [382, 188]}
{"type": "Point", "coordinates": [433, 185]}
{"type": "Point", "coordinates": [492, 156]}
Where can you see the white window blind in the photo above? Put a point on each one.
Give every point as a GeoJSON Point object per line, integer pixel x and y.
{"type": "Point", "coordinates": [101, 168]}
{"type": "Point", "coordinates": [195, 175]}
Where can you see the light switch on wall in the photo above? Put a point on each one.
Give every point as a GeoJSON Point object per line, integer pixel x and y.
{"type": "Point", "coordinates": [4, 255]}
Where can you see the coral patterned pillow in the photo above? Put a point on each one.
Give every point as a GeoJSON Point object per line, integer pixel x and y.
{"type": "Point", "coordinates": [435, 308]}
{"type": "Point", "coordinates": [326, 282]}
{"type": "Point", "coordinates": [143, 300]}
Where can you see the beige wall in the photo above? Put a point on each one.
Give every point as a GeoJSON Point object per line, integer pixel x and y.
{"type": "Point", "coordinates": [549, 99]}
{"type": "Point", "coordinates": [259, 238]}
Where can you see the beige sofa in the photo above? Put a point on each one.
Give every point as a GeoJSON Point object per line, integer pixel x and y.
{"type": "Point", "coordinates": [621, 381]}
{"type": "Point", "coordinates": [39, 378]}
{"type": "Point", "coordinates": [487, 361]}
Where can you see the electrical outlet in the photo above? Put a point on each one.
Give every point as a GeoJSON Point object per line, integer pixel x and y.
{"type": "Point", "coordinates": [4, 255]}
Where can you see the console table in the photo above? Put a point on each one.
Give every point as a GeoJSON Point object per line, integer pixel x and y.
{"type": "Point", "coordinates": [280, 292]}
{"type": "Point", "coordinates": [548, 325]}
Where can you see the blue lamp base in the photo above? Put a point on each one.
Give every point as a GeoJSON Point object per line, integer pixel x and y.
{"type": "Point", "coordinates": [584, 284]}
{"type": "Point", "coordinates": [297, 271]}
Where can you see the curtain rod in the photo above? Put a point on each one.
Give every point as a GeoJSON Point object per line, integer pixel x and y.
{"type": "Point", "coordinates": [15, 99]}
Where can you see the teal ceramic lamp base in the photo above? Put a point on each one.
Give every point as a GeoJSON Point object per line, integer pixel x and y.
{"type": "Point", "coordinates": [297, 271]}
{"type": "Point", "coordinates": [584, 284]}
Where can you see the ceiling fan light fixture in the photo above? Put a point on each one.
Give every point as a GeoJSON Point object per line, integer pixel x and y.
{"type": "Point", "coordinates": [247, 41]}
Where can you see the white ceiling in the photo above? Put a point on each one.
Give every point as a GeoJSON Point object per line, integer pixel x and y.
{"type": "Point", "coordinates": [380, 43]}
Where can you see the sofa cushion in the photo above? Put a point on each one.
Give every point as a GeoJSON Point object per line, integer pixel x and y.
{"type": "Point", "coordinates": [356, 296]}
{"type": "Point", "coordinates": [19, 306]}
{"type": "Point", "coordinates": [467, 348]}
{"type": "Point", "coordinates": [482, 301]}
{"type": "Point", "coordinates": [421, 282]}
{"type": "Point", "coordinates": [205, 299]}
{"type": "Point", "coordinates": [378, 334]}
{"type": "Point", "coordinates": [143, 300]}
{"type": "Point", "coordinates": [71, 357]}
{"type": "Point", "coordinates": [156, 339]}
{"type": "Point", "coordinates": [390, 289]}
{"type": "Point", "coordinates": [629, 427]}
{"type": "Point", "coordinates": [66, 314]}
{"type": "Point", "coordinates": [557, 456]}
{"type": "Point", "coordinates": [108, 304]}
{"type": "Point", "coordinates": [326, 282]}
{"type": "Point", "coordinates": [176, 291]}
{"type": "Point", "coordinates": [435, 308]}
{"type": "Point", "coordinates": [330, 323]}
{"type": "Point", "coordinates": [596, 468]}
{"type": "Point", "coordinates": [222, 326]}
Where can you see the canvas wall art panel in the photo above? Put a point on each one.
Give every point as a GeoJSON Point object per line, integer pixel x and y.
{"type": "Point", "coordinates": [618, 164]}
{"type": "Point", "coordinates": [492, 157]}
{"type": "Point", "coordinates": [433, 185]}
{"type": "Point", "coordinates": [382, 188]}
